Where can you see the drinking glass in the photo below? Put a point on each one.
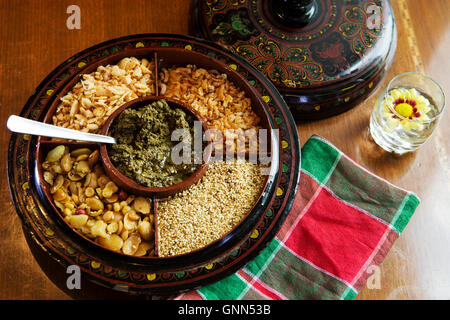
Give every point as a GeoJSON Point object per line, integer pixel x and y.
{"type": "Point", "coordinates": [406, 112]}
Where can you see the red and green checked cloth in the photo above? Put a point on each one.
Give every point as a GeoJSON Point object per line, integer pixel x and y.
{"type": "Point", "coordinates": [344, 219]}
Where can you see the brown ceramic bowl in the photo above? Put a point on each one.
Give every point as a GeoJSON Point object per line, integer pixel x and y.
{"type": "Point", "coordinates": [134, 187]}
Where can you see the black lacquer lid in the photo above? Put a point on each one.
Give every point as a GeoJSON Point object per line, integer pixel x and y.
{"type": "Point", "coordinates": [323, 56]}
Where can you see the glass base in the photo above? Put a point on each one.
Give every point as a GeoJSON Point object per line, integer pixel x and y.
{"type": "Point", "coordinates": [389, 142]}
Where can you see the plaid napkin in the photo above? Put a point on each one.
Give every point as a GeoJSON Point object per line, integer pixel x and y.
{"type": "Point", "coordinates": [344, 220]}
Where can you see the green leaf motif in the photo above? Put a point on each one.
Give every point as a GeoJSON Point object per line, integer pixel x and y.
{"type": "Point", "coordinates": [223, 29]}
{"type": "Point", "coordinates": [299, 76]}
{"type": "Point", "coordinates": [369, 40]}
{"type": "Point", "coordinates": [278, 121]}
{"type": "Point", "coordinates": [246, 52]}
{"type": "Point", "coordinates": [354, 14]}
{"type": "Point", "coordinates": [236, 22]}
{"type": "Point", "coordinates": [349, 30]}
{"type": "Point", "coordinates": [358, 46]}
{"type": "Point", "coordinates": [277, 72]}
{"type": "Point", "coordinates": [269, 49]}
{"type": "Point", "coordinates": [261, 65]}
{"type": "Point", "coordinates": [313, 70]}
{"type": "Point", "coordinates": [297, 55]}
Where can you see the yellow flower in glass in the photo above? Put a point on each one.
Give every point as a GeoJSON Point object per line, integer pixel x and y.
{"type": "Point", "coordinates": [406, 108]}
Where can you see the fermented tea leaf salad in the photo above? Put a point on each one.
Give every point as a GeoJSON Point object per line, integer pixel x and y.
{"type": "Point", "coordinates": [143, 151]}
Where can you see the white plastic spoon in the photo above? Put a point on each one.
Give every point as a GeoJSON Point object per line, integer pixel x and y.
{"type": "Point", "coordinates": [26, 126]}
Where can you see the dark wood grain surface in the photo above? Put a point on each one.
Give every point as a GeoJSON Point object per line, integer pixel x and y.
{"type": "Point", "coordinates": [35, 39]}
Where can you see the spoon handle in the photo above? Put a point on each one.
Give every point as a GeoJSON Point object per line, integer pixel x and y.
{"type": "Point", "coordinates": [26, 126]}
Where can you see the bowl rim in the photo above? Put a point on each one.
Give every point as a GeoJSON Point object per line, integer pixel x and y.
{"type": "Point", "coordinates": [131, 185]}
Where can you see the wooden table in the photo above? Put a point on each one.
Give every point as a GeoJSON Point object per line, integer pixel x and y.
{"type": "Point", "coordinates": [35, 39]}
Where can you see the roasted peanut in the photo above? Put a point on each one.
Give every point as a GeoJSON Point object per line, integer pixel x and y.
{"type": "Point", "coordinates": [56, 168]}
{"type": "Point", "coordinates": [93, 158]}
{"type": "Point", "coordinates": [80, 151]}
{"type": "Point", "coordinates": [66, 163]}
{"type": "Point", "coordinates": [57, 184]}
{"type": "Point", "coordinates": [73, 188]}
{"type": "Point", "coordinates": [74, 176]}
{"type": "Point", "coordinates": [91, 180]}
{"type": "Point", "coordinates": [55, 154]}
{"type": "Point", "coordinates": [81, 168]}
{"type": "Point", "coordinates": [49, 177]}
{"type": "Point", "coordinates": [82, 157]}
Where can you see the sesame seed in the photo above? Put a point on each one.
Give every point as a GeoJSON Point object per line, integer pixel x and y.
{"type": "Point", "coordinates": [210, 208]}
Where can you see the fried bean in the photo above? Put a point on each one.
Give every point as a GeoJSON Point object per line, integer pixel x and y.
{"type": "Point", "coordinates": [94, 205]}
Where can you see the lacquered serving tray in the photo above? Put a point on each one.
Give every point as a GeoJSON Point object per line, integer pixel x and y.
{"type": "Point", "coordinates": [154, 275]}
